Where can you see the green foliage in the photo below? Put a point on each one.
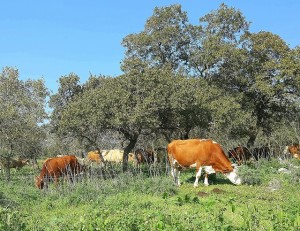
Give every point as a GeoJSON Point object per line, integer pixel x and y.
{"type": "Point", "coordinates": [250, 176]}
{"type": "Point", "coordinates": [22, 112]}
{"type": "Point", "coordinates": [215, 79]}
{"type": "Point", "coordinates": [11, 220]}
{"type": "Point", "coordinates": [166, 40]}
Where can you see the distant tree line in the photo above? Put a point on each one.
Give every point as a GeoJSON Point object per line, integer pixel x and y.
{"type": "Point", "coordinates": [211, 80]}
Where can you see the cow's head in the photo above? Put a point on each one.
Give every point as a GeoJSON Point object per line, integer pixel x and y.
{"type": "Point", "coordinates": [233, 176]}
{"type": "Point", "coordinates": [39, 183]}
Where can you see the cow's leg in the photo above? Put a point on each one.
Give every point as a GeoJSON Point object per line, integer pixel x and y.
{"type": "Point", "coordinates": [174, 170]}
{"type": "Point", "coordinates": [198, 175]}
{"type": "Point", "coordinates": [206, 179]}
{"type": "Point", "coordinates": [175, 173]}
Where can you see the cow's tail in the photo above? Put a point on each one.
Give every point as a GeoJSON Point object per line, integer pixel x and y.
{"type": "Point", "coordinates": [169, 154]}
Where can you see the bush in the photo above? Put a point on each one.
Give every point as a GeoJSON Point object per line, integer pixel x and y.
{"type": "Point", "coordinates": [250, 176]}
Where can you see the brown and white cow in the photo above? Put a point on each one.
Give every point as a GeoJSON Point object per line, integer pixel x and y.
{"type": "Point", "coordinates": [293, 150]}
{"type": "Point", "coordinates": [200, 153]}
{"type": "Point", "coordinates": [55, 167]}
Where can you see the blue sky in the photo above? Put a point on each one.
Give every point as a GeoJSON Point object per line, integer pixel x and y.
{"type": "Point", "coordinates": [49, 39]}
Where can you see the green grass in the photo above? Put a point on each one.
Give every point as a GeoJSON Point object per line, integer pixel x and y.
{"type": "Point", "coordinates": [142, 201]}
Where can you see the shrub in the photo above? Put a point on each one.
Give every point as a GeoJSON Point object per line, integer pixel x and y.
{"type": "Point", "coordinates": [250, 176]}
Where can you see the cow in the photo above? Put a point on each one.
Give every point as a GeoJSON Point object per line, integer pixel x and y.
{"type": "Point", "coordinates": [116, 155]}
{"type": "Point", "coordinates": [94, 156]}
{"type": "Point", "coordinates": [14, 163]}
{"type": "Point", "coordinates": [200, 153]}
{"type": "Point", "coordinates": [144, 156]}
{"type": "Point", "coordinates": [293, 150]}
{"type": "Point", "coordinates": [240, 154]}
{"type": "Point", "coordinates": [56, 167]}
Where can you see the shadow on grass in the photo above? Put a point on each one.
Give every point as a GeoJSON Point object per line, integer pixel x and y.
{"type": "Point", "coordinates": [213, 179]}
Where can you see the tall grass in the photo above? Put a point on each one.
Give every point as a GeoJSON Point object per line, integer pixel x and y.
{"type": "Point", "coordinates": [145, 198]}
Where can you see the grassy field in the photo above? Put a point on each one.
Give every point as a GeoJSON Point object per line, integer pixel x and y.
{"type": "Point", "coordinates": [267, 200]}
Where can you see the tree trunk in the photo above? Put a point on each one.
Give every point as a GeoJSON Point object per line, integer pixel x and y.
{"type": "Point", "coordinates": [252, 137]}
{"type": "Point", "coordinates": [128, 148]}
{"type": "Point", "coordinates": [7, 169]}
{"type": "Point", "coordinates": [100, 155]}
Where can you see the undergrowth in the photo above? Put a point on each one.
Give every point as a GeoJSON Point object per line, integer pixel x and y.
{"type": "Point", "coordinates": [142, 200]}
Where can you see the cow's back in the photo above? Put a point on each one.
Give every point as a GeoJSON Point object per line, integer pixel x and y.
{"type": "Point", "coordinates": [61, 164]}
{"type": "Point", "coordinates": [186, 152]}
{"type": "Point", "coordinates": [56, 167]}
{"type": "Point", "coordinates": [114, 155]}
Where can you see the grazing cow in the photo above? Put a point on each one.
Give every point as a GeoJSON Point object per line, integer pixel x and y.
{"type": "Point", "coordinates": [116, 155]}
{"type": "Point", "coordinates": [200, 153]}
{"type": "Point", "coordinates": [240, 154]}
{"type": "Point", "coordinates": [293, 150]}
{"type": "Point", "coordinates": [94, 156]}
{"type": "Point", "coordinates": [144, 156]}
{"type": "Point", "coordinates": [56, 167]}
{"type": "Point", "coordinates": [14, 163]}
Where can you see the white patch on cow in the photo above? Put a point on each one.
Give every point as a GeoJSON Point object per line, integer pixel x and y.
{"type": "Point", "coordinates": [193, 165]}
{"type": "Point", "coordinates": [175, 172]}
{"type": "Point", "coordinates": [206, 180]}
{"type": "Point", "coordinates": [208, 170]}
{"type": "Point", "coordinates": [198, 174]}
{"type": "Point", "coordinates": [203, 140]}
{"type": "Point", "coordinates": [175, 163]}
{"type": "Point", "coordinates": [233, 177]}
{"type": "Point", "coordinates": [235, 166]}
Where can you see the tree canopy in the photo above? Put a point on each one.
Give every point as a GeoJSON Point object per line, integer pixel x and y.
{"type": "Point", "coordinates": [22, 112]}
{"type": "Point", "coordinates": [215, 79]}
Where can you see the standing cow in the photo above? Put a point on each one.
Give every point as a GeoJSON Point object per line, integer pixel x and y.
{"type": "Point", "coordinates": [53, 168]}
{"type": "Point", "coordinates": [200, 153]}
